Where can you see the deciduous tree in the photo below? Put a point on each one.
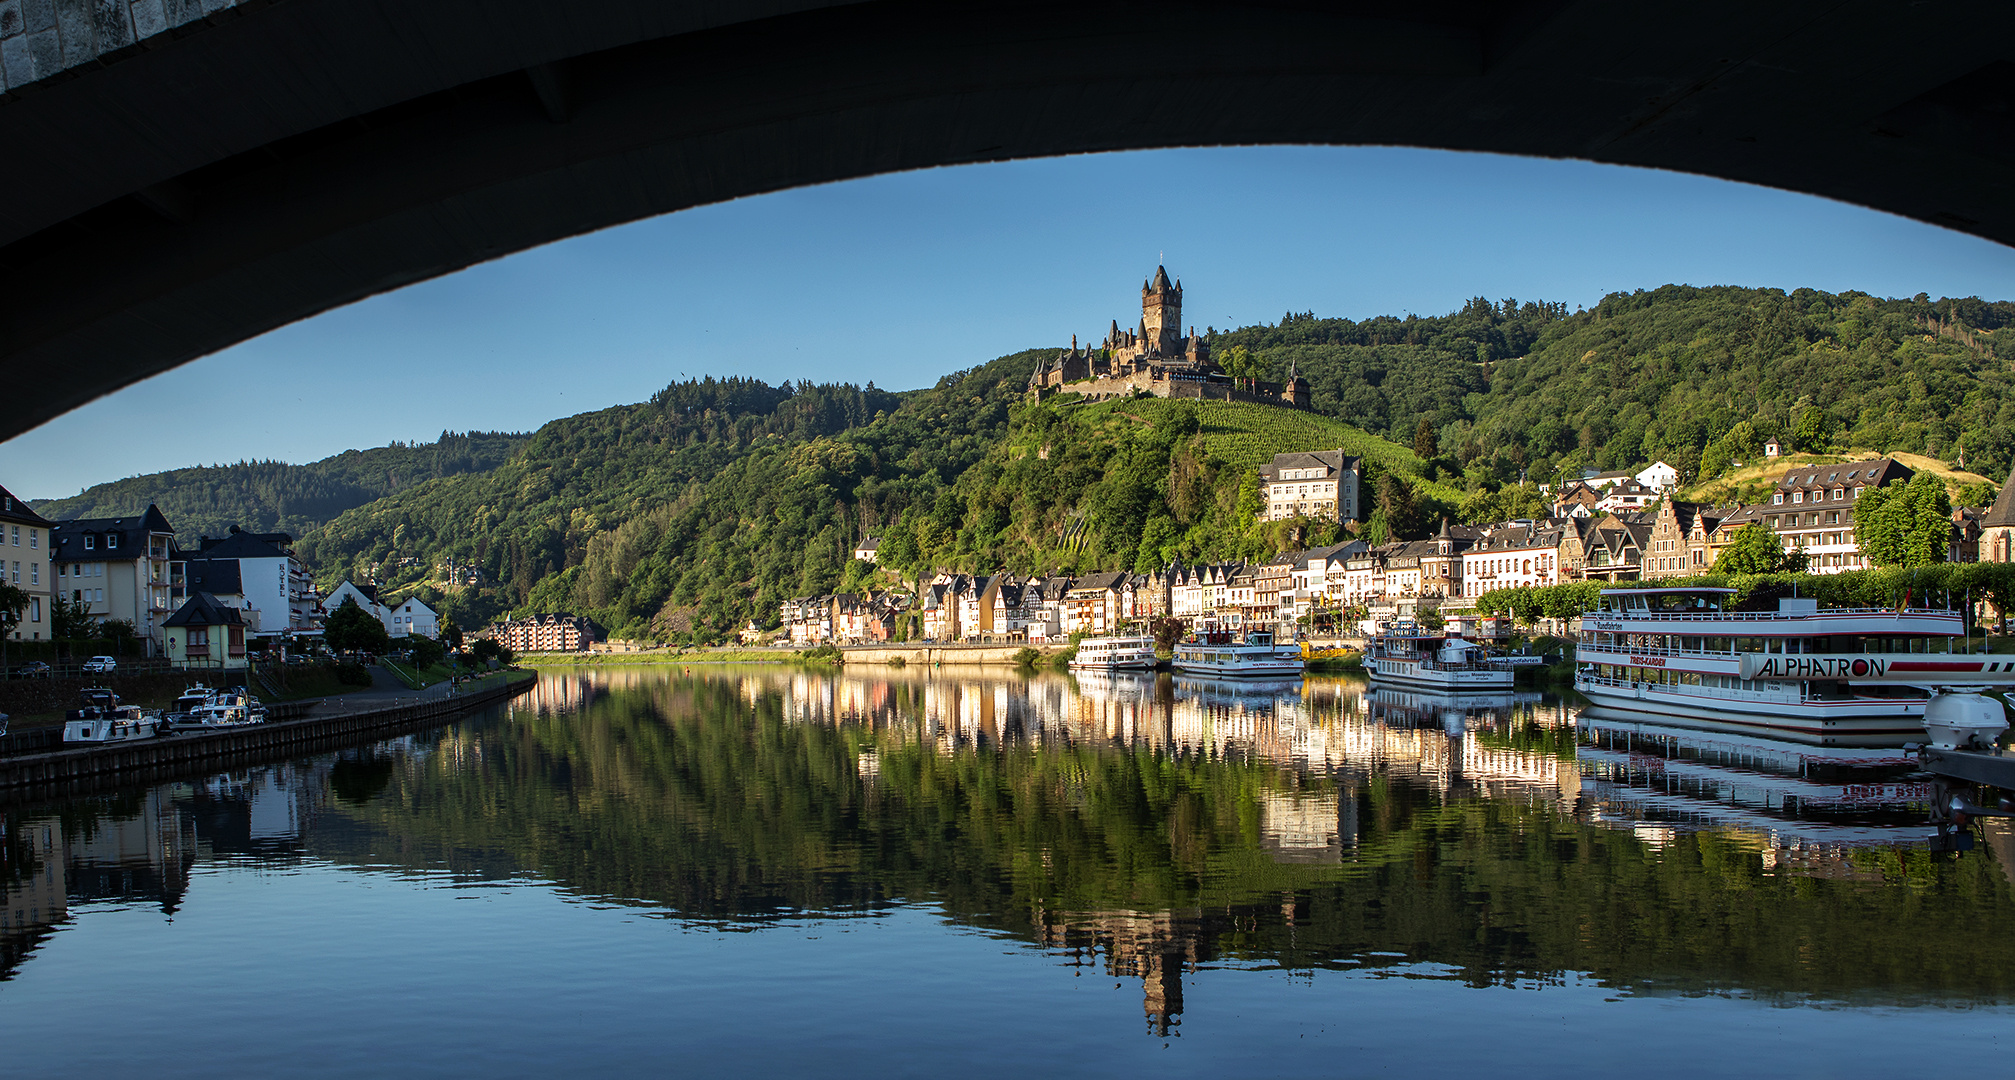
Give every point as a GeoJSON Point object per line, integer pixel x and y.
{"type": "Point", "coordinates": [1904, 525]}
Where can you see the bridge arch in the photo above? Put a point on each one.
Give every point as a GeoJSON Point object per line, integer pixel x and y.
{"type": "Point", "coordinates": [184, 174]}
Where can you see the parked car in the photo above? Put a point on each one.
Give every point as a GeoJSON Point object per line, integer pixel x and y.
{"type": "Point", "coordinates": [100, 665]}
{"type": "Point", "coordinates": [34, 669]}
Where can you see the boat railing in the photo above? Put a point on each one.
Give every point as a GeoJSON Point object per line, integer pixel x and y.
{"type": "Point", "coordinates": [1687, 689]}
{"type": "Point", "coordinates": [1766, 616]}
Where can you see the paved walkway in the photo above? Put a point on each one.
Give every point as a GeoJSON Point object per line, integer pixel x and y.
{"type": "Point", "coordinates": [386, 690]}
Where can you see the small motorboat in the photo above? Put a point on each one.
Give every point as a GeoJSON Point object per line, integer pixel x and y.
{"type": "Point", "coordinates": [101, 718]}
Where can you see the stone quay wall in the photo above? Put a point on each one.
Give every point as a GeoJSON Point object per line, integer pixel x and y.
{"type": "Point", "coordinates": [85, 770]}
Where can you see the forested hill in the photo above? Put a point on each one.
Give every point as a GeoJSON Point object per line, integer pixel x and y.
{"type": "Point", "coordinates": [684, 516]}
{"type": "Point", "coordinates": [1669, 373]}
{"type": "Point", "coordinates": [272, 496]}
{"type": "Point", "coordinates": [690, 510]}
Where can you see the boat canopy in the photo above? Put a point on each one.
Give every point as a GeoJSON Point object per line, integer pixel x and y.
{"type": "Point", "coordinates": [1695, 599]}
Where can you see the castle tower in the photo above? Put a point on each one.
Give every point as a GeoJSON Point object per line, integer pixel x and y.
{"type": "Point", "coordinates": [1161, 314]}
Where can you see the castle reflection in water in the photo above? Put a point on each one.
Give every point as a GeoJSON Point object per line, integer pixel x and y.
{"type": "Point", "coordinates": [1322, 741]}
{"type": "Point", "coordinates": [1802, 811]}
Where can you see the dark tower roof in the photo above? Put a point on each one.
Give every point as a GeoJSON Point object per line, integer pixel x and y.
{"type": "Point", "coordinates": [2002, 513]}
{"type": "Point", "coordinates": [1161, 283]}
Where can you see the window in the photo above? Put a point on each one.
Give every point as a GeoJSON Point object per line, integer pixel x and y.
{"type": "Point", "coordinates": [90, 542]}
{"type": "Point", "coordinates": [34, 538]}
{"type": "Point", "coordinates": [17, 571]}
{"type": "Point", "coordinates": [1777, 499]}
{"type": "Point", "coordinates": [35, 610]}
{"type": "Point", "coordinates": [17, 536]}
{"type": "Point", "coordinates": [112, 540]}
{"type": "Point", "coordinates": [34, 573]}
{"type": "Point", "coordinates": [1839, 494]}
{"type": "Point", "coordinates": [1798, 496]}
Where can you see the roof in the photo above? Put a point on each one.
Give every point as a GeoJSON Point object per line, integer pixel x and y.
{"type": "Point", "coordinates": [202, 609]}
{"type": "Point", "coordinates": [66, 538]}
{"type": "Point", "coordinates": [1335, 461]}
{"type": "Point", "coordinates": [2002, 513]}
{"type": "Point", "coordinates": [218, 576]}
{"type": "Point", "coordinates": [1108, 580]}
{"type": "Point", "coordinates": [15, 510]}
{"type": "Point", "coordinates": [1846, 474]}
{"type": "Point", "coordinates": [241, 545]}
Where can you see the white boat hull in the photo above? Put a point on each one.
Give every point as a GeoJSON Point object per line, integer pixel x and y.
{"type": "Point", "coordinates": [1854, 722]}
{"type": "Point", "coordinates": [1396, 671]}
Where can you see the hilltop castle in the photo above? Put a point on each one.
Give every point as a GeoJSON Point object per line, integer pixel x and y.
{"type": "Point", "coordinates": [1156, 358]}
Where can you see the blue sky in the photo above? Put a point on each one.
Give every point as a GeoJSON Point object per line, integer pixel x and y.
{"type": "Point", "coordinates": [898, 279]}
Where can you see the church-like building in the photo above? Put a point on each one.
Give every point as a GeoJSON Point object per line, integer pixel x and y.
{"type": "Point", "coordinates": [1157, 358]}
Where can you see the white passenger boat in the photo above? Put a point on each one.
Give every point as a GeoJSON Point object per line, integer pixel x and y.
{"type": "Point", "coordinates": [1434, 660]}
{"type": "Point", "coordinates": [100, 718]}
{"type": "Point", "coordinates": [203, 709]}
{"type": "Point", "coordinates": [1833, 677]}
{"type": "Point", "coordinates": [1220, 653]}
{"type": "Point", "coordinates": [1115, 654]}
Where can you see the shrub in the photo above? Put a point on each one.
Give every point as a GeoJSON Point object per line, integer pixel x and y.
{"type": "Point", "coordinates": [353, 675]}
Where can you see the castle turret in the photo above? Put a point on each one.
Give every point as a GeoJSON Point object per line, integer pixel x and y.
{"type": "Point", "coordinates": [1161, 314]}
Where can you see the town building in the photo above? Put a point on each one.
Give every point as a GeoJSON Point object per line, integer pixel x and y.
{"type": "Point", "coordinates": [1515, 554]}
{"type": "Point", "coordinates": [1812, 510]}
{"type": "Point", "coordinates": [124, 568]}
{"type": "Point", "coordinates": [1997, 526]}
{"type": "Point", "coordinates": [1626, 495]}
{"type": "Point", "coordinates": [206, 633]}
{"type": "Point", "coordinates": [1158, 358]}
{"type": "Point", "coordinates": [260, 576]}
{"type": "Point", "coordinates": [1659, 477]}
{"type": "Point", "coordinates": [24, 564]}
{"type": "Point", "coordinates": [1313, 483]}
{"type": "Point", "coordinates": [1613, 546]}
{"type": "Point", "coordinates": [547, 633]}
{"type": "Point", "coordinates": [1680, 539]}
{"type": "Point", "coordinates": [412, 617]}
{"type": "Point", "coordinates": [1094, 604]}
{"type": "Point", "coordinates": [866, 549]}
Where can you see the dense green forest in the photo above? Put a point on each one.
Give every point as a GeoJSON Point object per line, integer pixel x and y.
{"type": "Point", "coordinates": [1511, 389]}
{"type": "Point", "coordinates": [682, 517]}
{"type": "Point", "coordinates": [272, 496]}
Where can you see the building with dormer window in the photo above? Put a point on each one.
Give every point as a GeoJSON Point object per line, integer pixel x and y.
{"type": "Point", "coordinates": [24, 564]}
{"type": "Point", "coordinates": [1313, 483]}
{"type": "Point", "coordinates": [120, 568]}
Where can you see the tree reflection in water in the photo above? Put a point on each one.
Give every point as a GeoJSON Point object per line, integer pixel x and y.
{"type": "Point", "coordinates": [1147, 828]}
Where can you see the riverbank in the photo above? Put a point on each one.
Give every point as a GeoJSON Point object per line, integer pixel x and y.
{"type": "Point", "coordinates": [84, 770]}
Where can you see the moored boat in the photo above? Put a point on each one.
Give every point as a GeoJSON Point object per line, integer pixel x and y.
{"type": "Point", "coordinates": [101, 718]}
{"type": "Point", "coordinates": [1434, 660]}
{"type": "Point", "coordinates": [1833, 677]}
{"type": "Point", "coordinates": [1115, 654]}
{"type": "Point", "coordinates": [203, 709]}
{"type": "Point", "coordinates": [1221, 653]}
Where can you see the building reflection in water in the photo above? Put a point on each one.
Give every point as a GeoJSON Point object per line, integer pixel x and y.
{"type": "Point", "coordinates": [1803, 811]}
{"type": "Point", "coordinates": [1317, 746]}
{"type": "Point", "coordinates": [138, 850]}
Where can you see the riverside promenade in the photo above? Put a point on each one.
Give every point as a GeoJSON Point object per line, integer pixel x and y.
{"type": "Point", "coordinates": [326, 725]}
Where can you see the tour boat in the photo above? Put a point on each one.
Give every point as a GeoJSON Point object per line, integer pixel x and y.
{"type": "Point", "coordinates": [1834, 677]}
{"type": "Point", "coordinates": [100, 718]}
{"type": "Point", "coordinates": [1115, 654]}
{"type": "Point", "coordinates": [1220, 653]}
{"type": "Point", "coordinates": [1434, 660]}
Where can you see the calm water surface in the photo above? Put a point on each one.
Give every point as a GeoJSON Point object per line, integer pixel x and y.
{"type": "Point", "coordinates": [643, 871]}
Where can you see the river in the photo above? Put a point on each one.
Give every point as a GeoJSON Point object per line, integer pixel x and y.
{"type": "Point", "coordinates": [645, 870]}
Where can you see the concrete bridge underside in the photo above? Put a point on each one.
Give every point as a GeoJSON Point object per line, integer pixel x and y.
{"type": "Point", "coordinates": [201, 172]}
